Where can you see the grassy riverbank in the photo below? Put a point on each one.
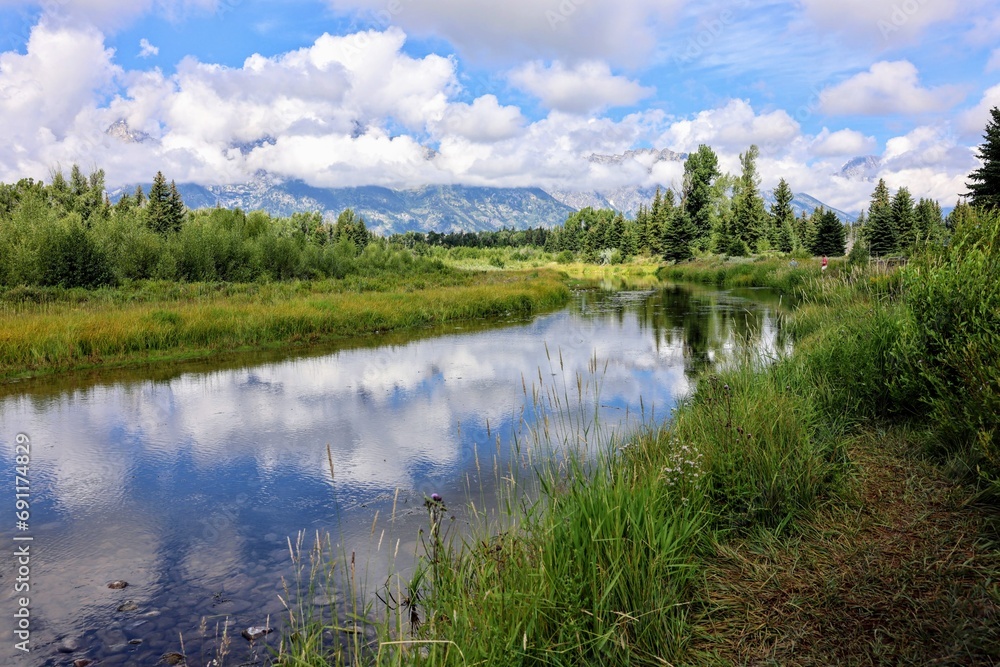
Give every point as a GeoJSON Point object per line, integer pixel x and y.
{"type": "Point", "coordinates": [834, 507]}
{"type": "Point", "coordinates": [43, 330]}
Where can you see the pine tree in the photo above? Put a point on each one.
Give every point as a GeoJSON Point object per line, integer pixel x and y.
{"type": "Point", "coordinates": [784, 216]}
{"type": "Point", "coordinates": [139, 196]}
{"type": "Point", "coordinates": [829, 234]}
{"type": "Point", "coordinates": [805, 230]}
{"type": "Point", "coordinates": [880, 232]}
{"type": "Point", "coordinates": [643, 229]}
{"type": "Point", "coordinates": [158, 214]}
{"type": "Point", "coordinates": [679, 233]}
{"type": "Point", "coordinates": [903, 219]}
{"type": "Point", "coordinates": [984, 191]}
{"type": "Point", "coordinates": [749, 219]}
{"type": "Point", "coordinates": [929, 221]}
{"type": "Point", "coordinates": [175, 208]}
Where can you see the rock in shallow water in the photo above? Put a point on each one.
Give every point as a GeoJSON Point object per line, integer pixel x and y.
{"type": "Point", "coordinates": [82, 662]}
{"type": "Point", "coordinates": [68, 646]}
{"type": "Point", "coordinates": [172, 658]}
{"type": "Point", "coordinates": [128, 605]}
{"type": "Point", "coordinates": [255, 632]}
{"type": "Point", "coordinates": [118, 585]}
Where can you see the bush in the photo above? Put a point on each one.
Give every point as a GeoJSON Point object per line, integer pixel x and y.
{"type": "Point", "coordinates": [952, 341]}
{"type": "Point", "coordinates": [69, 257]}
{"type": "Point", "coordinates": [859, 255]}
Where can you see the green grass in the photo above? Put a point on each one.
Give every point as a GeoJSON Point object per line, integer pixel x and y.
{"type": "Point", "coordinates": [785, 275]}
{"type": "Point", "coordinates": [48, 330]}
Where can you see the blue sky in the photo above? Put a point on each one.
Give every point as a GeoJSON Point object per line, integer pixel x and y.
{"type": "Point", "coordinates": [410, 92]}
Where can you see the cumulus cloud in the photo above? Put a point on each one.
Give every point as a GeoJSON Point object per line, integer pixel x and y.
{"type": "Point", "coordinates": [887, 88]}
{"type": "Point", "coordinates": [50, 92]}
{"type": "Point", "coordinates": [732, 127]}
{"type": "Point", "coordinates": [485, 120]}
{"type": "Point", "coordinates": [585, 87]}
{"type": "Point", "coordinates": [147, 50]}
{"type": "Point", "coordinates": [514, 30]}
{"type": "Point", "coordinates": [359, 110]}
{"type": "Point", "coordinates": [972, 122]}
{"type": "Point", "coordinates": [881, 23]}
{"type": "Point", "coordinates": [841, 142]}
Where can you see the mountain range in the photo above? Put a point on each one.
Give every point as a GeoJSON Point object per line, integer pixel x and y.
{"type": "Point", "coordinates": [443, 208]}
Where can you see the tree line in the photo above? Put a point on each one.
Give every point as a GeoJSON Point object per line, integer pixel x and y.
{"type": "Point", "coordinates": [67, 233]}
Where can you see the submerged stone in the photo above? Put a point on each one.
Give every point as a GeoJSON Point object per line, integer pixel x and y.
{"type": "Point", "coordinates": [255, 632]}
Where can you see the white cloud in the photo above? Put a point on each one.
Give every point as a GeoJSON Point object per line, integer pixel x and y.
{"type": "Point", "coordinates": [993, 63]}
{"type": "Point", "coordinates": [732, 128]}
{"type": "Point", "coordinates": [510, 31]}
{"type": "Point", "coordinates": [146, 49]}
{"type": "Point", "coordinates": [887, 88]}
{"type": "Point", "coordinates": [841, 142]}
{"type": "Point", "coordinates": [882, 23]}
{"type": "Point", "coordinates": [585, 87]}
{"type": "Point", "coordinates": [358, 110]}
{"type": "Point", "coordinates": [485, 120]}
{"type": "Point", "coordinates": [985, 28]}
{"type": "Point", "coordinates": [45, 90]}
{"type": "Point", "coordinates": [972, 122]}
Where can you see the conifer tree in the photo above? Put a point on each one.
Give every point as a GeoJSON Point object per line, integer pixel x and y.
{"type": "Point", "coordinates": [749, 217]}
{"type": "Point", "coordinates": [903, 219]}
{"type": "Point", "coordinates": [829, 234]}
{"type": "Point", "coordinates": [679, 233]}
{"type": "Point", "coordinates": [158, 214]}
{"type": "Point", "coordinates": [175, 208]}
{"type": "Point", "coordinates": [880, 231]}
{"type": "Point", "coordinates": [929, 223]}
{"type": "Point", "coordinates": [784, 216]}
{"type": "Point", "coordinates": [984, 190]}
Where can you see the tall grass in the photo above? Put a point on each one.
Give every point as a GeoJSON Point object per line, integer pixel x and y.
{"type": "Point", "coordinates": [607, 565]}
{"type": "Point", "coordinates": [786, 275]}
{"type": "Point", "coordinates": [195, 321]}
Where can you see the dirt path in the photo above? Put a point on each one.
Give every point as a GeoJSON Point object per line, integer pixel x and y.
{"type": "Point", "coordinates": [907, 573]}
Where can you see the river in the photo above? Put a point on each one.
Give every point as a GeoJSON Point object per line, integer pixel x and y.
{"type": "Point", "coordinates": [189, 481]}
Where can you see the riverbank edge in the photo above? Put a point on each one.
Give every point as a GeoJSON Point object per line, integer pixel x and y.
{"type": "Point", "coordinates": [685, 505]}
{"type": "Point", "coordinates": [109, 335]}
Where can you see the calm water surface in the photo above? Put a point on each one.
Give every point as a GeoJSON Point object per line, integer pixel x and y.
{"type": "Point", "coordinates": [189, 482]}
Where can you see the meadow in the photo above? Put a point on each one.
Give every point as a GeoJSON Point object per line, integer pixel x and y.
{"type": "Point", "coordinates": [52, 329]}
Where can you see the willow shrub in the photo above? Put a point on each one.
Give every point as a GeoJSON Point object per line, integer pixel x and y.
{"type": "Point", "coordinates": [952, 339]}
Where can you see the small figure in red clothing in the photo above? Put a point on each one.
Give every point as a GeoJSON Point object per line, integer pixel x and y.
{"type": "Point", "coordinates": [825, 262]}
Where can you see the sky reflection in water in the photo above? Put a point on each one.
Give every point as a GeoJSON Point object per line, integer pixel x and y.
{"type": "Point", "coordinates": [189, 486]}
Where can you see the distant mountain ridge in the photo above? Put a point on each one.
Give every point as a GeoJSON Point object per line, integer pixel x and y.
{"type": "Point", "coordinates": [451, 208]}
{"type": "Point", "coordinates": [443, 208]}
{"type": "Point", "coordinates": [861, 168]}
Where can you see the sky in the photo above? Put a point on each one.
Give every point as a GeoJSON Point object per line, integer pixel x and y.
{"type": "Point", "coordinates": [519, 93]}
